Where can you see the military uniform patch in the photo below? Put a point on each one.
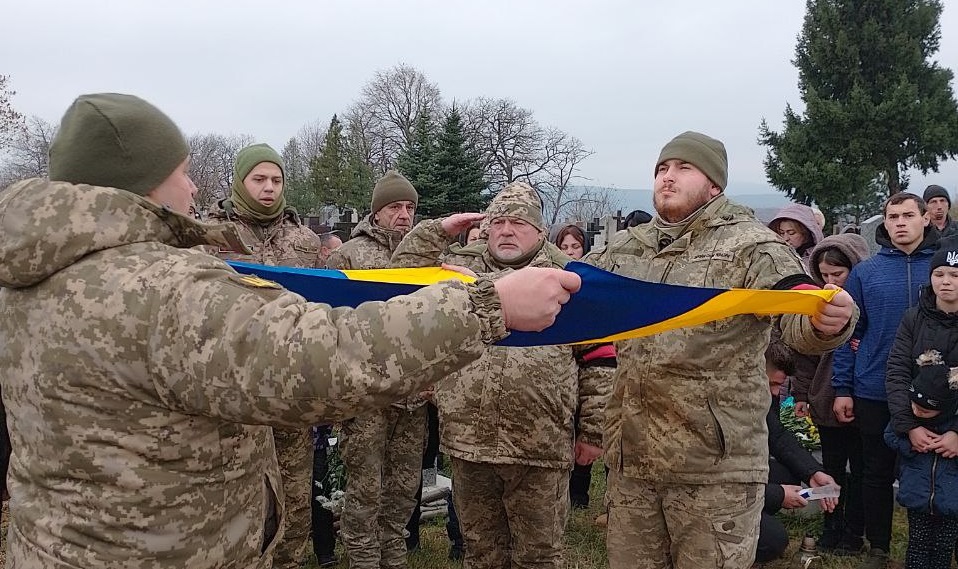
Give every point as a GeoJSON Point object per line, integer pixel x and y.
{"type": "Point", "coordinates": [257, 282]}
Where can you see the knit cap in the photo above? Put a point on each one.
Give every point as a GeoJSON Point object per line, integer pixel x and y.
{"type": "Point", "coordinates": [118, 141]}
{"type": "Point", "coordinates": [392, 187]}
{"type": "Point", "coordinates": [519, 200]}
{"type": "Point", "coordinates": [946, 255]}
{"type": "Point", "coordinates": [936, 191]}
{"type": "Point", "coordinates": [703, 152]}
{"type": "Point", "coordinates": [246, 160]}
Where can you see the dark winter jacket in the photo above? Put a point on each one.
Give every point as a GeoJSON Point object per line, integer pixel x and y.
{"type": "Point", "coordinates": [884, 287]}
{"type": "Point", "coordinates": [787, 451]}
{"type": "Point", "coordinates": [922, 328]}
{"type": "Point", "coordinates": [812, 382]}
{"type": "Point", "coordinates": [928, 482]}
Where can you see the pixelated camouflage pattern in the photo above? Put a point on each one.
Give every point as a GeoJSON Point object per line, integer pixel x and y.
{"type": "Point", "coordinates": [378, 478]}
{"type": "Point", "coordinates": [285, 242]}
{"type": "Point", "coordinates": [369, 247]}
{"type": "Point", "coordinates": [515, 405]}
{"type": "Point", "coordinates": [519, 200]}
{"type": "Point", "coordinates": [140, 378]}
{"type": "Point", "coordinates": [682, 526]}
{"type": "Point", "coordinates": [688, 405]}
{"type": "Point", "coordinates": [382, 453]}
{"type": "Point", "coordinates": [511, 515]}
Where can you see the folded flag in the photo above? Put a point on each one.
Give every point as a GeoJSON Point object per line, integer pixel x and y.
{"type": "Point", "coordinates": [609, 307]}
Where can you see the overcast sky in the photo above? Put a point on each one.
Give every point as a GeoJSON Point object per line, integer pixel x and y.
{"type": "Point", "coordinates": [624, 77]}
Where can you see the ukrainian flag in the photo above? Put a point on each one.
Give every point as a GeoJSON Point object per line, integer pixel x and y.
{"type": "Point", "coordinates": [608, 307]}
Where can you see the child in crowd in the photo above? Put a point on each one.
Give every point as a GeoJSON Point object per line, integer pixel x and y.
{"type": "Point", "coordinates": [922, 392]}
{"type": "Point", "coordinates": [928, 483]}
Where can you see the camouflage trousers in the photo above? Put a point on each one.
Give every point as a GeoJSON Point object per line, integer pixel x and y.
{"type": "Point", "coordinates": [382, 454]}
{"type": "Point", "coordinates": [294, 451]}
{"type": "Point", "coordinates": [511, 515]}
{"type": "Point", "coordinates": [661, 526]}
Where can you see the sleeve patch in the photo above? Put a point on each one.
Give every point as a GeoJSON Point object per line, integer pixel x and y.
{"type": "Point", "coordinates": [253, 281]}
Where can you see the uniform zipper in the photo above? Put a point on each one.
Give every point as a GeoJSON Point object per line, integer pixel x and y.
{"type": "Point", "coordinates": [931, 497]}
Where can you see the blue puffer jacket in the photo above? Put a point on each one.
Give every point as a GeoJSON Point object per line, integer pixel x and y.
{"type": "Point", "coordinates": [928, 482]}
{"type": "Point", "coordinates": [884, 287]}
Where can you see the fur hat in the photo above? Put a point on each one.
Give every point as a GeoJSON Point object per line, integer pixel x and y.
{"type": "Point", "coordinates": [935, 387]}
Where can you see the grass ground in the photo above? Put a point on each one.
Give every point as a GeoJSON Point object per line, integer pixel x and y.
{"type": "Point", "coordinates": [585, 543]}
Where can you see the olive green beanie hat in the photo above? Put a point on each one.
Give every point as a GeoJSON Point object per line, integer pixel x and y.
{"type": "Point", "coordinates": [392, 187]}
{"type": "Point", "coordinates": [118, 141]}
{"type": "Point", "coordinates": [703, 152]}
{"type": "Point", "coordinates": [246, 160]}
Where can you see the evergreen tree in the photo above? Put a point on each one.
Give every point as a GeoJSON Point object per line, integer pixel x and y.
{"type": "Point", "coordinates": [875, 104]}
{"type": "Point", "coordinates": [458, 170]}
{"type": "Point", "coordinates": [331, 180]}
{"type": "Point", "coordinates": [417, 162]}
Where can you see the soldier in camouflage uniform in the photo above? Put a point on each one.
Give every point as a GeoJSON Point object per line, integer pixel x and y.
{"type": "Point", "coordinates": [507, 420]}
{"type": "Point", "coordinates": [141, 376]}
{"type": "Point", "coordinates": [382, 451]}
{"type": "Point", "coordinates": [686, 440]}
{"type": "Point", "coordinates": [273, 231]}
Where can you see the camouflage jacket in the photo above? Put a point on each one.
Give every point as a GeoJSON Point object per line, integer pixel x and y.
{"type": "Point", "coordinates": [688, 406]}
{"type": "Point", "coordinates": [140, 377]}
{"type": "Point", "coordinates": [286, 242]}
{"type": "Point", "coordinates": [514, 405]}
{"type": "Point", "coordinates": [370, 247]}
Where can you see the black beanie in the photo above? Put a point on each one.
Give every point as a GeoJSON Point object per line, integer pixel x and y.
{"type": "Point", "coordinates": [936, 191]}
{"type": "Point", "coordinates": [934, 388]}
{"type": "Point", "coordinates": [118, 141]}
{"type": "Point", "coordinates": [947, 254]}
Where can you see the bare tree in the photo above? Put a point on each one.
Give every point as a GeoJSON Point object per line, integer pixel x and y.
{"type": "Point", "coordinates": [387, 111]}
{"type": "Point", "coordinates": [28, 152]}
{"type": "Point", "coordinates": [11, 122]}
{"type": "Point", "coordinates": [564, 154]}
{"type": "Point", "coordinates": [512, 145]}
{"type": "Point", "coordinates": [587, 203]}
{"type": "Point", "coordinates": [211, 165]}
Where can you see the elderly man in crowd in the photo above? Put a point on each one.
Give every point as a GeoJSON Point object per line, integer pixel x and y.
{"type": "Point", "coordinates": [507, 421]}
{"type": "Point", "coordinates": [382, 451]}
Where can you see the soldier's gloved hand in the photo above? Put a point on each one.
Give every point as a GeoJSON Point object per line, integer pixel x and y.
{"type": "Point", "coordinates": [532, 297]}
{"type": "Point", "coordinates": [459, 222]}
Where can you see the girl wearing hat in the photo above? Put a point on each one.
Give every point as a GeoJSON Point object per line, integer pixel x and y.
{"type": "Point", "coordinates": [830, 262]}
{"type": "Point", "coordinates": [922, 397]}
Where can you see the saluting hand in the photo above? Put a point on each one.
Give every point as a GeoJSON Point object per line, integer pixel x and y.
{"type": "Point", "coordinates": [459, 222]}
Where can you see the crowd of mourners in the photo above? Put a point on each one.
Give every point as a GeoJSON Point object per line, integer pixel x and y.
{"type": "Point", "coordinates": [163, 410]}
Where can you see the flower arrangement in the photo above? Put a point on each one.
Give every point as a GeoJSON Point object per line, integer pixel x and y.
{"type": "Point", "coordinates": [802, 427]}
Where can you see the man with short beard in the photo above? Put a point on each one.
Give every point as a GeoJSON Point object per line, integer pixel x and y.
{"type": "Point", "coordinates": [685, 432]}
{"type": "Point", "coordinates": [506, 421]}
